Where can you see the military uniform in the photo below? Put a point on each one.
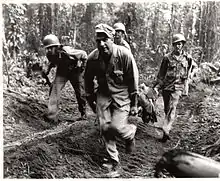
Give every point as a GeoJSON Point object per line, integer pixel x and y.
{"type": "Point", "coordinates": [171, 79]}
{"type": "Point", "coordinates": [125, 44]}
{"type": "Point", "coordinates": [70, 66]}
{"type": "Point", "coordinates": [117, 82]}
{"type": "Point", "coordinates": [121, 41]}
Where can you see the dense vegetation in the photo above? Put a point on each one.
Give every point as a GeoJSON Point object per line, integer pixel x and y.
{"type": "Point", "coordinates": [33, 148]}
{"type": "Point", "coordinates": [149, 25]}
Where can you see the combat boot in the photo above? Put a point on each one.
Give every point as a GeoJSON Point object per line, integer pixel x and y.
{"type": "Point", "coordinates": [113, 167]}
{"type": "Point", "coordinates": [165, 137]}
{"type": "Point", "coordinates": [51, 119]}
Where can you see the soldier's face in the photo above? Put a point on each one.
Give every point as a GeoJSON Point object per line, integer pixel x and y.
{"type": "Point", "coordinates": [51, 50]}
{"type": "Point", "coordinates": [178, 46]}
{"type": "Point", "coordinates": [104, 44]}
{"type": "Point", "coordinates": [119, 34]}
{"type": "Point", "coordinates": [52, 54]}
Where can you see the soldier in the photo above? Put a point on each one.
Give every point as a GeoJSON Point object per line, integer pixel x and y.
{"type": "Point", "coordinates": [117, 77]}
{"type": "Point", "coordinates": [173, 74]}
{"type": "Point", "coordinates": [120, 35]}
{"type": "Point", "coordinates": [70, 64]}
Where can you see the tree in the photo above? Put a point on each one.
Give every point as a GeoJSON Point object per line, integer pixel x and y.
{"type": "Point", "coordinates": [151, 24]}
{"type": "Point", "coordinates": [13, 23]}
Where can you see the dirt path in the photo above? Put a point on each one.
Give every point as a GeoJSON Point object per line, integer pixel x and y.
{"type": "Point", "coordinates": [74, 149]}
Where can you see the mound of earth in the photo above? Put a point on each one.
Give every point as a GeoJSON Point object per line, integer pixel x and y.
{"type": "Point", "coordinates": [34, 148]}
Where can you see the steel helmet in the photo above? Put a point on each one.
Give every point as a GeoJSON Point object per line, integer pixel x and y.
{"type": "Point", "coordinates": [119, 26]}
{"type": "Point", "coordinates": [178, 37]}
{"type": "Point", "coordinates": [50, 40]}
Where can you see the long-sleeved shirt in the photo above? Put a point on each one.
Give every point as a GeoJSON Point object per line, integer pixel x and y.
{"type": "Point", "coordinates": [117, 79]}
{"type": "Point", "coordinates": [68, 60]}
{"type": "Point", "coordinates": [125, 44]}
{"type": "Point", "coordinates": [174, 71]}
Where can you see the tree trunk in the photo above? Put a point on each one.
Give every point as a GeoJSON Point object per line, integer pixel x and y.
{"type": "Point", "coordinates": [154, 27]}
{"type": "Point", "coordinates": [74, 35]}
{"type": "Point", "coordinates": [41, 19]}
{"type": "Point", "coordinates": [193, 31]}
{"type": "Point", "coordinates": [49, 20]}
{"type": "Point", "coordinates": [52, 6]}
{"type": "Point", "coordinates": [212, 19]}
{"type": "Point", "coordinates": [6, 55]}
{"type": "Point", "coordinates": [88, 19]}
{"type": "Point", "coordinates": [171, 23]}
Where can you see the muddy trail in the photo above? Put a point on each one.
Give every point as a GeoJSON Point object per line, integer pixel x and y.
{"type": "Point", "coordinates": [34, 148]}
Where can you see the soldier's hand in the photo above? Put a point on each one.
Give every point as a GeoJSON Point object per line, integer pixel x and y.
{"type": "Point", "coordinates": [134, 111]}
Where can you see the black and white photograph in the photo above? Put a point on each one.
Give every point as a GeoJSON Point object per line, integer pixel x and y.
{"type": "Point", "coordinates": [110, 89]}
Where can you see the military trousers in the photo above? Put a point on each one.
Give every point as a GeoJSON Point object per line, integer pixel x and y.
{"type": "Point", "coordinates": [55, 92]}
{"type": "Point", "coordinates": [113, 121]}
{"type": "Point", "coordinates": [170, 99]}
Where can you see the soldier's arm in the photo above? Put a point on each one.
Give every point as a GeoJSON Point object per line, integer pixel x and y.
{"type": "Point", "coordinates": [88, 78]}
{"type": "Point", "coordinates": [162, 73]}
{"type": "Point", "coordinates": [48, 68]}
{"type": "Point", "coordinates": [84, 60]}
{"type": "Point", "coordinates": [132, 78]}
{"type": "Point", "coordinates": [89, 82]}
{"type": "Point", "coordinates": [46, 71]}
{"type": "Point", "coordinates": [131, 73]}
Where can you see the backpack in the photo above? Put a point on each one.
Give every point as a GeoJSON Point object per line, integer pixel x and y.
{"type": "Point", "coordinates": [147, 104]}
{"type": "Point", "coordinates": [74, 53]}
{"type": "Point", "coordinates": [76, 56]}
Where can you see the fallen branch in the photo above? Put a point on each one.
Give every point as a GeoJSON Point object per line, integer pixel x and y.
{"type": "Point", "coordinates": [18, 96]}
{"type": "Point", "coordinates": [176, 144]}
{"type": "Point", "coordinates": [215, 81]}
{"type": "Point", "coordinates": [29, 140]}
